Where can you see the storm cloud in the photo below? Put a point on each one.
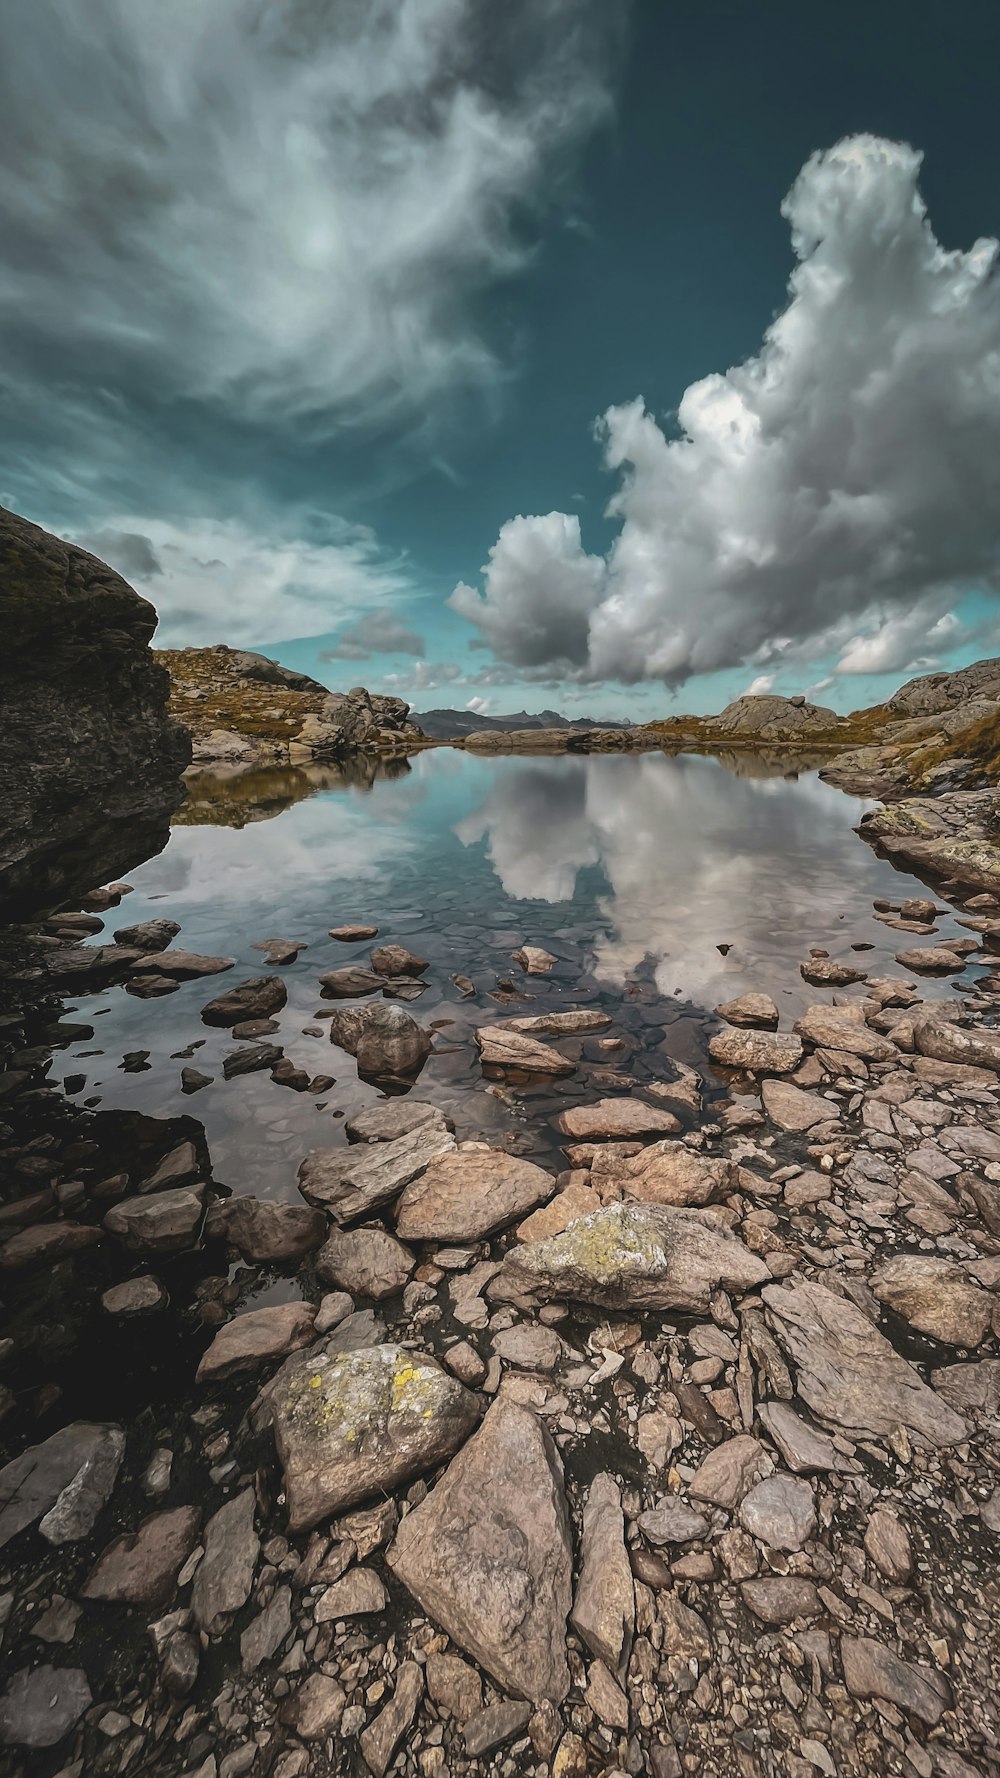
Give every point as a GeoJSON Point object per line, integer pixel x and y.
{"type": "Point", "coordinates": [839, 491]}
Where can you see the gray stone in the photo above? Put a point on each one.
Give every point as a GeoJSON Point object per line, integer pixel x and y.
{"type": "Point", "coordinates": [673, 1521]}
{"type": "Point", "coordinates": [527, 1348]}
{"type": "Point", "coordinates": [873, 1671]}
{"type": "Point", "coordinates": [255, 999]}
{"type": "Point", "coordinates": [780, 1512]}
{"type": "Point", "coordinates": [888, 1546]}
{"type": "Point", "coordinates": [780, 1599]}
{"type": "Point", "coordinates": [491, 1727]}
{"type": "Point", "coordinates": [266, 1233]}
{"type": "Point", "coordinates": [263, 1637]}
{"type": "Point", "coordinates": [392, 1118]}
{"type": "Point", "coordinates": [803, 1447]}
{"type": "Point", "coordinates": [32, 1484]}
{"type": "Point", "coordinates": [724, 1475]}
{"type": "Point", "coordinates": [350, 982]}
{"type": "Point", "coordinates": [359, 1593]}
{"type": "Point", "coordinates": [365, 1262]}
{"type": "Point", "coordinates": [75, 1512]}
{"type": "Point", "coordinates": [225, 1573]}
{"type": "Point", "coordinates": [604, 1604]}
{"type": "Point", "coordinates": [39, 1708]}
{"type": "Point", "coordinates": [351, 1182]}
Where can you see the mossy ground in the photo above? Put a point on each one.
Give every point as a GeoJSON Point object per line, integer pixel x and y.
{"type": "Point", "coordinates": [204, 697]}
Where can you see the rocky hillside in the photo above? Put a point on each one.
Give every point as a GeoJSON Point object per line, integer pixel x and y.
{"type": "Point", "coordinates": [90, 759]}
{"type": "Point", "coordinates": [454, 725]}
{"type": "Point", "coordinates": [245, 710]}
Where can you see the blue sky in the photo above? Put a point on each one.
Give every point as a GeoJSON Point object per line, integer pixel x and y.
{"type": "Point", "coordinates": [299, 323]}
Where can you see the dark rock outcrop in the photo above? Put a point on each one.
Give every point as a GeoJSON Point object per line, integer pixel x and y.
{"type": "Point", "coordinates": [90, 760]}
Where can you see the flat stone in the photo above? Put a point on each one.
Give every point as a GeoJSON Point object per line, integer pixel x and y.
{"type": "Point", "coordinates": [633, 1256]}
{"type": "Point", "coordinates": [468, 1194]}
{"type": "Point", "coordinates": [673, 1521]}
{"type": "Point", "coordinates": [603, 1611]}
{"type": "Point", "coordinates": [943, 1041]}
{"type": "Point", "coordinates": [454, 1686]}
{"type": "Point", "coordinates": [534, 960]}
{"type": "Point", "coordinates": [315, 1710]}
{"type": "Point", "coordinates": [79, 1461]}
{"type": "Point", "coordinates": [755, 1010]}
{"type": "Point", "coordinates": [825, 972]}
{"type": "Point", "coordinates": [606, 1698]}
{"type": "Point", "coordinates": [351, 982]}
{"type": "Point", "coordinates": [224, 1575]}
{"type": "Point", "coordinates": [499, 1047]}
{"type": "Point", "coordinates": [149, 935]}
{"type": "Point", "coordinates": [393, 1118]}
{"type": "Point", "coordinates": [780, 1512]}
{"type": "Point", "coordinates": [830, 1027]}
{"type": "Point", "coordinates": [781, 1599]}
{"type": "Point", "coordinates": [263, 1637]}
{"type": "Point", "coordinates": [973, 1390]}
{"type": "Point", "coordinates": [489, 1554]}
{"type": "Point", "coordinates": [255, 999]}
{"type": "Point", "coordinates": [566, 1207]}
{"type": "Point", "coordinates": [280, 950]}
{"type": "Point", "coordinates": [577, 1021]}
{"type": "Point", "coordinates": [351, 1182]}
{"type": "Point", "coordinates": [931, 960]}
{"type": "Point", "coordinates": [333, 1308]}
{"type": "Point", "coordinates": [182, 966]}
{"type": "Point", "coordinates": [39, 1708]}
{"type": "Point", "coordinates": [756, 1052]}
{"type": "Point", "coordinates": [255, 1338]}
{"type": "Point", "coordinates": [76, 1509]}
{"type": "Point", "coordinates": [727, 1473]}
{"type": "Point", "coordinates": [492, 1727]}
{"type": "Point", "coordinates": [352, 1424]}
{"type": "Point", "coordinates": [359, 1593]}
{"type": "Point", "coordinates": [252, 1059]}
{"type": "Point", "coordinates": [849, 1374]}
{"type": "Point", "coordinates": [266, 1233]}
{"type": "Point", "coordinates": [804, 1448]}
{"type": "Point", "coordinates": [381, 1739]}
{"type": "Point", "coordinates": [349, 935]}
{"type": "Point", "coordinates": [167, 1222]}
{"type": "Point", "coordinates": [887, 1546]}
{"type": "Point", "coordinates": [936, 1297]}
{"type": "Point", "coordinates": [365, 1262]}
{"type": "Point", "coordinates": [396, 960]}
{"type": "Point", "coordinates": [685, 1633]}
{"type": "Point", "coordinates": [45, 1244]}
{"type": "Point", "coordinates": [610, 1118]}
{"type": "Point", "coordinates": [792, 1109]}
{"type": "Point", "coordinates": [137, 1296]}
{"type": "Point", "coordinates": [668, 1173]}
{"type": "Point", "coordinates": [529, 1348]}
{"type": "Point", "coordinates": [873, 1671]}
{"type": "Point", "coordinates": [141, 1566]}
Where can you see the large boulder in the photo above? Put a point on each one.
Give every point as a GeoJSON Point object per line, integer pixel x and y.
{"type": "Point", "coordinates": [90, 760]}
{"type": "Point", "coordinates": [773, 718]}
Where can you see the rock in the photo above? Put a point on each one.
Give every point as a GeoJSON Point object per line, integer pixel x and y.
{"type": "Point", "coordinates": [873, 1671]}
{"type": "Point", "coordinates": [973, 1390]}
{"type": "Point", "coordinates": [946, 1042]}
{"type": "Point", "coordinates": [848, 1374]}
{"type": "Point", "coordinates": [359, 1423]}
{"type": "Point", "coordinates": [491, 1727]}
{"type": "Point", "coordinates": [141, 1566]}
{"type": "Point", "coordinates": [256, 1337]}
{"type": "Point", "coordinates": [499, 1047]}
{"type": "Point", "coordinates": [554, 1024]}
{"type": "Point", "coordinates": [90, 758]}
{"type": "Point", "coordinates": [380, 1740]}
{"type": "Point", "coordinates": [779, 1599]}
{"type": "Point", "coordinates": [668, 1173]}
{"type": "Point", "coordinates": [224, 1575]}
{"type": "Point", "coordinates": [46, 1243]}
{"type": "Point", "coordinates": [534, 960]}
{"type": "Point", "coordinates": [673, 1521]}
{"type": "Point", "coordinates": [332, 1310]}
{"type": "Point", "coordinates": [726, 1474]}
{"type": "Point", "coordinates": [454, 1686]}
{"type": "Point", "coordinates": [566, 1207]}
{"type": "Point", "coordinates": [365, 1262]}
{"type": "Point", "coordinates": [58, 1622]}
{"type": "Point", "coordinates": [803, 1447]}
{"type": "Point", "coordinates": [137, 1296]}
{"type": "Point", "coordinates": [936, 1297]}
{"type": "Point", "coordinates": [149, 935]}
{"type": "Point", "coordinates": [393, 1118]}
{"type": "Point", "coordinates": [488, 1554]}
{"type": "Point", "coordinates": [181, 1165]}
{"type": "Point", "coordinates": [181, 1661]}
{"type": "Point", "coordinates": [315, 1710]}
{"type": "Point", "coordinates": [833, 1027]}
{"type": "Point", "coordinates": [359, 1593]}
{"type": "Point", "coordinates": [634, 1256]}
{"type": "Point", "coordinates": [75, 1512]}
{"type": "Point", "coordinates": [823, 972]}
{"type": "Point", "coordinates": [39, 1708]}
{"type": "Point", "coordinates": [77, 1461]}
{"type": "Point", "coordinates": [606, 1698]}
{"type": "Point", "coordinates": [349, 935]}
{"type": "Point", "coordinates": [755, 1010]}
{"type": "Point", "coordinates": [250, 1060]}
{"type": "Point", "coordinates": [756, 1052]}
{"type": "Point", "coordinates": [529, 1348]}
{"type": "Point", "coordinates": [352, 1182]}
{"type": "Point", "coordinates": [266, 1233]}
{"type": "Point", "coordinates": [263, 1637]}
{"type": "Point", "coordinates": [391, 1046]}
{"type": "Point", "coordinates": [888, 1547]}
{"type": "Point", "coordinates": [685, 1635]}
{"type": "Point", "coordinates": [611, 1118]}
{"type": "Point", "coordinates": [603, 1611]}
{"type": "Point", "coordinates": [168, 1222]}
{"type": "Point", "coordinates": [350, 982]}
{"type": "Point", "coordinates": [396, 960]}
{"type": "Point", "coordinates": [792, 1109]}
{"type": "Point", "coordinates": [465, 1195]}
{"type": "Point", "coordinates": [780, 1512]}
{"type": "Point", "coordinates": [255, 999]}
{"type": "Point", "coordinates": [931, 960]}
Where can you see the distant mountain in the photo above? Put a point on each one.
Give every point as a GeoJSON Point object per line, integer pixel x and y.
{"type": "Point", "coordinates": [451, 725]}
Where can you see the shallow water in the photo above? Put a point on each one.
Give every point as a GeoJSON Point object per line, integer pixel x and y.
{"type": "Point", "coordinates": [637, 872]}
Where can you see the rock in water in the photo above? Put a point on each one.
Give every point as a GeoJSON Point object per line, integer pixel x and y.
{"type": "Point", "coordinates": [755, 1010]}
{"type": "Point", "coordinates": [266, 1233]}
{"type": "Point", "coordinates": [489, 1555]}
{"type": "Point", "coordinates": [392, 1046]}
{"type": "Point", "coordinates": [500, 1047]}
{"type": "Point", "coordinates": [90, 760]}
{"type": "Point", "coordinates": [255, 999]}
{"type": "Point", "coordinates": [358, 1423]}
{"type": "Point", "coordinates": [633, 1256]}
{"type": "Point", "coordinates": [848, 1373]}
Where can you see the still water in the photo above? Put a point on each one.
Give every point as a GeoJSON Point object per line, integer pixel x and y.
{"type": "Point", "coordinates": [661, 885]}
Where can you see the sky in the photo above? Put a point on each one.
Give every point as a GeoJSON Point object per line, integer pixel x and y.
{"type": "Point", "coordinates": [612, 358]}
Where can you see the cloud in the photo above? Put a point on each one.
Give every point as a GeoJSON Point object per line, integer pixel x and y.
{"type": "Point", "coordinates": [479, 705]}
{"type": "Point", "coordinates": [378, 632]}
{"type": "Point", "coordinates": [219, 580]}
{"type": "Point", "coordinates": [287, 211]}
{"type": "Point", "coordinates": [758, 687]}
{"type": "Point", "coordinates": [904, 641]}
{"type": "Point", "coordinates": [845, 480]}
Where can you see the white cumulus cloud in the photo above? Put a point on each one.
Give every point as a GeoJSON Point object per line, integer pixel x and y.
{"type": "Point", "coordinates": [843, 484]}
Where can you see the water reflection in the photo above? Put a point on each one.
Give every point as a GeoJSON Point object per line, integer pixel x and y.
{"type": "Point", "coordinates": [230, 796]}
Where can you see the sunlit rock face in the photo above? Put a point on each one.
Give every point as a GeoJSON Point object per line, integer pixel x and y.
{"type": "Point", "coordinates": [90, 760]}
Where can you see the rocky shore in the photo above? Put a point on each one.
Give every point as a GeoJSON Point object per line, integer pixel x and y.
{"type": "Point", "coordinates": [675, 1455]}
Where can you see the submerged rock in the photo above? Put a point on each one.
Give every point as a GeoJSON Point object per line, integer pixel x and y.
{"type": "Point", "coordinates": [500, 1047]}
{"type": "Point", "coordinates": [489, 1555]}
{"type": "Point", "coordinates": [360, 1423]}
{"type": "Point", "coordinates": [255, 999]}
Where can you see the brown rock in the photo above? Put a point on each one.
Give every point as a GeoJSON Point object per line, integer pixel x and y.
{"type": "Point", "coordinates": [266, 1233]}
{"type": "Point", "coordinates": [792, 1109]}
{"type": "Point", "coordinates": [46, 1243]}
{"type": "Point", "coordinates": [728, 1472]}
{"type": "Point", "coordinates": [873, 1671]}
{"type": "Point", "coordinates": [468, 1194]}
{"type": "Point", "coordinates": [352, 1182]}
{"type": "Point", "coordinates": [610, 1118]}
{"type": "Point", "coordinates": [365, 1262]}
{"type": "Point", "coordinates": [936, 1297]}
{"type": "Point", "coordinates": [141, 1567]}
{"type": "Point", "coordinates": [888, 1546]}
{"type": "Point", "coordinates": [502, 1048]}
{"type": "Point", "coordinates": [380, 1740]}
{"type": "Point", "coordinates": [255, 1337]}
{"type": "Point", "coordinates": [396, 960]}
{"type": "Point", "coordinates": [255, 999]}
{"type": "Point", "coordinates": [315, 1710]}
{"type": "Point", "coordinates": [756, 1052]}
{"type": "Point", "coordinates": [833, 1027]}
{"type": "Point", "coordinates": [604, 1606]}
{"type": "Point", "coordinates": [756, 1010]}
{"type": "Point", "coordinates": [781, 1599]}
{"type": "Point", "coordinates": [454, 1686]}
{"type": "Point", "coordinates": [224, 1575]}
